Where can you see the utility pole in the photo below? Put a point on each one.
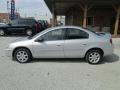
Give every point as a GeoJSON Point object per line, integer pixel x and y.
{"type": "Point", "coordinates": [8, 9]}
{"type": "Point", "coordinates": [12, 9]}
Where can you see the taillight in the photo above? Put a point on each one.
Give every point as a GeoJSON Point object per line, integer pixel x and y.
{"type": "Point", "coordinates": [111, 40]}
{"type": "Point", "coordinates": [37, 26]}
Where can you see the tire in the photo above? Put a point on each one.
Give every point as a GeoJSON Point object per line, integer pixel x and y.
{"type": "Point", "coordinates": [8, 33]}
{"type": "Point", "coordinates": [94, 56]}
{"type": "Point", "coordinates": [29, 32]}
{"type": "Point", "coordinates": [22, 55]}
{"type": "Point", "coordinates": [2, 32]}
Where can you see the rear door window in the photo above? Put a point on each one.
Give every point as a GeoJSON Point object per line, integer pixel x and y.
{"type": "Point", "coordinates": [76, 34]}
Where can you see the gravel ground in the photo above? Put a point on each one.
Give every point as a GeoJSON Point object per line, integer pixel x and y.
{"type": "Point", "coordinates": [59, 74]}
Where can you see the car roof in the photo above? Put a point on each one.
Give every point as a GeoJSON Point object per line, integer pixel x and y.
{"type": "Point", "coordinates": [2, 23]}
{"type": "Point", "coordinates": [24, 19]}
{"type": "Point", "coordinates": [77, 27]}
{"type": "Point", "coordinates": [58, 27]}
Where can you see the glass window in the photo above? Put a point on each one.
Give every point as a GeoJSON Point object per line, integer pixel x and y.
{"type": "Point", "coordinates": [57, 34]}
{"type": "Point", "coordinates": [14, 22]}
{"type": "Point", "coordinates": [76, 34]}
{"type": "Point", "coordinates": [90, 21]}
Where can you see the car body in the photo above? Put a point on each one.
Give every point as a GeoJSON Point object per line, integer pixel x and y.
{"type": "Point", "coordinates": [63, 42]}
{"type": "Point", "coordinates": [2, 24]}
{"type": "Point", "coordinates": [28, 26]}
{"type": "Point", "coordinates": [43, 23]}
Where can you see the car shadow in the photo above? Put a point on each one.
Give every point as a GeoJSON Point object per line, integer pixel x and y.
{"type": "Point", "coordinates": [59, 60]}
{"type": "Point", "coordinates": [108, 59]}
{"type": "Point", "coordinates": [15, 35]}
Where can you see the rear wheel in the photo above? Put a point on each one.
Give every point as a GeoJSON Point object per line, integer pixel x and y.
{"type": "Point", "coordinates": [29, 32]}
{"type": "Point", "coordinates": [2, 32]}
{"type": "Point", "coordinates": [8, 33]}
{"type": "Point", "coordinates": [22, 55]}
{"type": "Point", "coordinates": [94, 56]}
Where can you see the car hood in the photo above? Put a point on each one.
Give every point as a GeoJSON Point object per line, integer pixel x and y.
{"type": "Point", "coordinates": [2, 26]}
{"type": "Point", "coordinates": [21, 39]}
{"type": "Point", "coordinates": [24, 42]}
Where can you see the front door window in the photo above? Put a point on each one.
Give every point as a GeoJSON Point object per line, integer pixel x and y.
{"type": "Point", "coordinates": [54, 35]}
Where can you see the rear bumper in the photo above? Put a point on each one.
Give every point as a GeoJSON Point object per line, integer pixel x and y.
{"type": "Point", "coordinates": [109, 50]}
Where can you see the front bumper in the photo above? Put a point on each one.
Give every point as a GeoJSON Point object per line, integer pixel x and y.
{"type": "Point", "coordinates": [8, 52]}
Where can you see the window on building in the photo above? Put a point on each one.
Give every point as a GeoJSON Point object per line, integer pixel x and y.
{"type": "Point", "coordinates": [90, 21]}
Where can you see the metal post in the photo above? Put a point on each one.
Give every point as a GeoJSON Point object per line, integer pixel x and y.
{"type": "Point", "coordinates": [85, 17]}
{"type": "Point", "coordinates": [8, 8]}
{"type": "Point", "coordinates": [53, 14]}
{"type": "Point", "coordinates": [117, 21]}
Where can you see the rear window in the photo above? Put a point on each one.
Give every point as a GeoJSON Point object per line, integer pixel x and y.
{"type": "Point", "coordinates": [23, 22]}
{"type": "Point", "coordinates": [73, 33]}
{"type": "Point", "coordinates": [98, 34]}
{"type": "Point", "coordinates": [92, 31]}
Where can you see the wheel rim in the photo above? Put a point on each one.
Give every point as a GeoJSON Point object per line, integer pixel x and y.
{"type": "Point", "coordinates": [29, 32]}
{"type": "Point", "coordinates": [1, 32]}
{"type": "Point", "coordinates": [22, 56]}
{"type": "Point", "coordinates": [94, 57]}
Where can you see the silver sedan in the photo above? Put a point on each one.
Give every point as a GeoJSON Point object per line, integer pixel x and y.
{"type": "Point", "coordinates": [62, 42]}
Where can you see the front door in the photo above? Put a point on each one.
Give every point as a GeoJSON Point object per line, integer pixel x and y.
{"type": "Point", "coordinates": [52, 45]}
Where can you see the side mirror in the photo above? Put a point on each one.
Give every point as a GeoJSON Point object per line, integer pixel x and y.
{"type": "Point", "coordinates": [40, 40]}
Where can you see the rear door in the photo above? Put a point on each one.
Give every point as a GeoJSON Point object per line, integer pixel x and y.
{"type": "Point", "coordinates": [75, 43]}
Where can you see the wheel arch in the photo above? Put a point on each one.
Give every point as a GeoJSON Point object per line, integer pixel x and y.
{"type": "Point", "coordinates": [2, 29]}
{"type": "Point", "coordinates": [19, 48]}
{"type": "Point", "coordinates": [95, 48]}
{"type": "Point", "coordinates": [30, 28]}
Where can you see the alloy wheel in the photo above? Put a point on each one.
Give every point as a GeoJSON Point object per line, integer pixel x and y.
{"type": "Point", "coordinates": [2, 32]}
{"type": "Point", "coordinates": [94, 57]}
{"type": "Point", "coordinates": [29, 32]}
{"type": "Point", "coordinates": [22, 56]}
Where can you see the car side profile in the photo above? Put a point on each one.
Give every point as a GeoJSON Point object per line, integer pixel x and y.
{"type": "Point", "coordinates": [2, 24]}
{"type": "Point", "coordinates": [28, 26]}
{"type": "Point", "coordinates": [62, 42]}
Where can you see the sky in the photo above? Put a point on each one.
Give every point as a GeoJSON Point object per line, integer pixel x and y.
{"type": "Point", "coordinates": [28, 8]}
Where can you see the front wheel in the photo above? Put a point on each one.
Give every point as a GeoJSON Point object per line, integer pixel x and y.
{"type": "Point", "coordinates": [2, 32]}
{"type": "Point", "coordinates": [94, 56]}
{"type": "Point", "coordinates": [22, 55]}
{"type": "Point", "coordinates": [29, 32]}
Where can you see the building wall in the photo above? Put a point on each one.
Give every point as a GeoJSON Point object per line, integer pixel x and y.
{"type": "Point", "coordinates": [4, 17]}
{"type": "Point", "coordinates": [104, 17]}
{"type": "Point", "coordinates": [74, 16]}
